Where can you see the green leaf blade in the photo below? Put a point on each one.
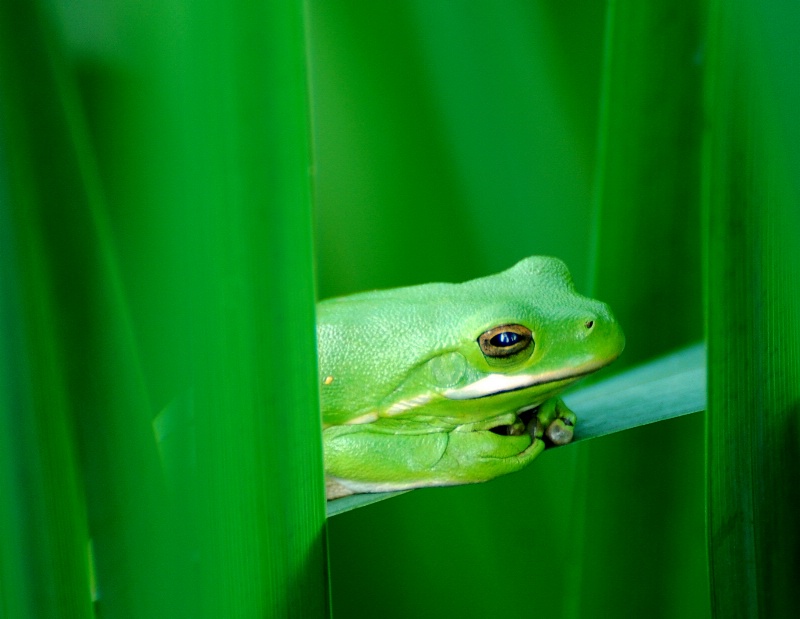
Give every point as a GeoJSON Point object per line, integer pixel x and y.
{"type": "Point", "coordinates": [159, 207]}
{"type": "Point", "coordinates": [661, 389]}
{"type": "Point", "coordinates": [753, 266]}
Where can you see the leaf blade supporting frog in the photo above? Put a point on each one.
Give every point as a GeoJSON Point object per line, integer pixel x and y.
{"type": "Point", "coordinates": [443, 384]}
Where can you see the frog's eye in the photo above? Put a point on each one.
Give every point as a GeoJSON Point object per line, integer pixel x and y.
{"type": "Point", "coordinates": [505, 340]}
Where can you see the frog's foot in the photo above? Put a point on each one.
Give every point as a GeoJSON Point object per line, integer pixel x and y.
{"type": "Point", "coordinates": [554, 421]}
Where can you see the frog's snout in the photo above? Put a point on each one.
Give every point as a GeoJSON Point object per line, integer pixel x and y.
{"type": "Point", "coordinates": [602, 330]}
{"type": "Point", "coordinates": [591, 324]}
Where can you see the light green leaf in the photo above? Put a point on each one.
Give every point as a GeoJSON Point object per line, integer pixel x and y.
{"type": "Point", "coordinates": [664, 388]}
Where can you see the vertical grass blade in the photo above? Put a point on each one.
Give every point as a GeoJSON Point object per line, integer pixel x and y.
{"type": "Point", "coordinates": [216, 126]}
{"type": "Point", "coordinates": [43, 528]}
{"type": "Point", "coordinates": [753, 318]}
{"type": "Point", "coordinates": [259, 507]}
{"type": "Point", "coordinates": [646, 266]}
{"type": "Point", "coordinates": [178, 257]}
{"type": "Point", "coordinates": [72, 295]}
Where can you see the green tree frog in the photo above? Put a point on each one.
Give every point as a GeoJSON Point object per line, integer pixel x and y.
{"type": "Point", "coordinates": [443, 384]}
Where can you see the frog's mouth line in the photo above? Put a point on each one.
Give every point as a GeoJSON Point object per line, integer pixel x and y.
{"type": "Point", "coordinates": [495, 384]}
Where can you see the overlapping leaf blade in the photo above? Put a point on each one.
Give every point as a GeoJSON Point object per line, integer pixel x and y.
{"type": "Point", "coordinates": [752, 196]}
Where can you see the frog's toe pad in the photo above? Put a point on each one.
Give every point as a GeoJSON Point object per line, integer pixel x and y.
{"type": "Point", "coordinates": [560, 432]}
{"type": "Point", "coordinates": [557, 421]}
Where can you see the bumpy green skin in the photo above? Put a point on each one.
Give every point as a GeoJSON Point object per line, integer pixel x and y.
{"type": "Point", "coordinates": [408, 396]}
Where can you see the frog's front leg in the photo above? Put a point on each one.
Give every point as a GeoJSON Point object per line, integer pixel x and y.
{"type": "Point", "coordinates": [555, 421]}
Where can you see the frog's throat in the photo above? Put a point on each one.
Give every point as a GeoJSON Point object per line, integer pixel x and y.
{"type": "Point", "coordinates": [494, 384]}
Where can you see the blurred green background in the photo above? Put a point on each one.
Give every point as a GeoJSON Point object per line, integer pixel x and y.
{"type": "Point", "coordinates": [180, 178]}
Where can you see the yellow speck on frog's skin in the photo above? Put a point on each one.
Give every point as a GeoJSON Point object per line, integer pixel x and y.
{"type": "Point", "coordinates": [328, 380]}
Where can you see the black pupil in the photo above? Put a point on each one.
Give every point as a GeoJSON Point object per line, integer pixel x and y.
{"type": "Point", "coordinates": [506, 338]}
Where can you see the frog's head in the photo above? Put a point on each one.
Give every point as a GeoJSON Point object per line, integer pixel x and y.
{"type": "Point", "coordinates": [449, 383]}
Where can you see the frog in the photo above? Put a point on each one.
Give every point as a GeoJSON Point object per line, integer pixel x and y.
{"type": "Point", "coordinates": [444, 384]}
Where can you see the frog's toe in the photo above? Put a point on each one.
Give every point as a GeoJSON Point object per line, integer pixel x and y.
{"type": "Point", "coordinates": [557, 421]}
{"type": "Point", "coordinates": [560, 432]}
